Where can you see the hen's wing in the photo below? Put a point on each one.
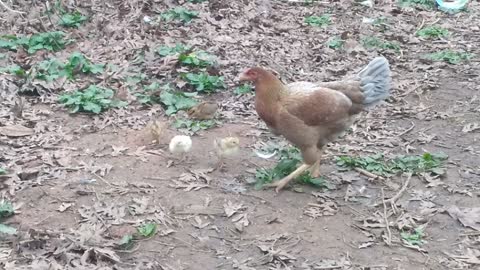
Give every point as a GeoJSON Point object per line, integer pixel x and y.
{"type": "Point", "coordinates": [317, 106]}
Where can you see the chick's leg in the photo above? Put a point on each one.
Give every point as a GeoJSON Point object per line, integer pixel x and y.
{"type": "Point", "coordinates": [279, 185]}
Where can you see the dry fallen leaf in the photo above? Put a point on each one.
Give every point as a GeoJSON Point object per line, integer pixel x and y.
{"type": "Point", "coordinates": [16, 131]}
{"type": "Point", "coordinates": [469, 217]}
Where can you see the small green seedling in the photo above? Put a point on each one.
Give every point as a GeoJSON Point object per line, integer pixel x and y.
{"type": "Point", "coordinates": [377, 164]}
{"type": "Point", "coordinates": [50, 70]}
{"type": "Point", "coordinates": [197, 59]}
{"type": "Point", "coordinates": [3, 171]}
{"type": "Point", "coordinates": [14, 70]}
{"type": "Point", "coordinates": [126, 242]}
{"type": "Point", "coordinates": [194, 126]}
{"type": "Point", "coordinates": [94, 99]}
{"type": "Point", "coordinates": [319, 21]}
{"type": "Point", "coordinates": [180, 14]}
{"type": "Point", "coordinates": [428, 4]}
{"type": "Point", "coordinates": [449, 56]}
{"type": "Point", "coordinates": [72, 20]}
{"type": "Point", "coordinates": [413, 238]}
{"type": "Point", "coordinates": [376, 43]}
{"type": "Point", "coordinates": [147, 230]}
{"type": "Point", "coordinates": [432, 32]}
{"type": "Point", "coordinates": [335, 43]}
{"type": "Point", "coordinates": [177, 101]}
{"type": "Point", "coordinates": [78, 63]}
{"type": "Point", "coordinates": [6, 209]}
{"type": "Point", "coordinates": [150, 94]}
{"type": "Point", "coordinates": [167, 50]}
{"type": "Point", "coordinates": [243, 89]}
{"type": "Point", "coordinates": [51, 41]}
{"type": "Point", "coordinates": [202, 82]}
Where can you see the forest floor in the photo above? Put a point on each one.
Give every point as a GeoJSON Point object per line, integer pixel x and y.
{"type": "Point", "coordinates": [97, 191]}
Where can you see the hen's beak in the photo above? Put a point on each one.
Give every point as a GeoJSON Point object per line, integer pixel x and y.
{"type": "Point", "coordinates": [242, 77]}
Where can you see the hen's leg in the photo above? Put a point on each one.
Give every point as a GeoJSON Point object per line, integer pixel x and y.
{"type": "Point", "coordinates": [282, 183]}
{"type": "Point", "coordinates": [315, 169]}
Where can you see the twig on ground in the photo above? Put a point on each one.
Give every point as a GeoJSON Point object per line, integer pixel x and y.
{"type": "Point", "coordinates": [103, 179]}
{"type": "Point", "coordinates": [388, 241]}
{"type": "Point", "coordinates": [9, 9]}
{"type": "Point", "coordinates": [368, 174]}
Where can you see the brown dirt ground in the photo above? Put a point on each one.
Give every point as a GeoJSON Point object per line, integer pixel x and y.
{"type": "Point", "coordinates": [139, 185]}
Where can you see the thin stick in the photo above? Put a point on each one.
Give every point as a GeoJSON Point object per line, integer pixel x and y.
{"type": "Point", "coordinates": [389, 233]}
{"type": "Point", "coordinates": [103, 179]}
{"type": "Point", "coordinates": [368, 174]}
{"type": "Point", "coordinates": [9, 9]}
{"type": "Point", "coordinates": [400, 192]}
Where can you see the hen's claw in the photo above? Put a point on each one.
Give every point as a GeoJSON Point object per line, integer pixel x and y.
{"type": "Point", "coordinates": [282, 183]}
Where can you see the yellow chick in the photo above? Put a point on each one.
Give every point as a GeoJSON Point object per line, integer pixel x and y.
{"type": "Point", "coordinates": [179, 145]}
{"type": "Point", "coordinates": [225, 147]}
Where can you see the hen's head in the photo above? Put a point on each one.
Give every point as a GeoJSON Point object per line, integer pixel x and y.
{"type": "Point", "coordinates": [254, 74]}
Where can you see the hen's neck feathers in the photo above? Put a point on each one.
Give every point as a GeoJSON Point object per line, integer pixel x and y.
{"type": "Point", "coordinates": [269, 91]}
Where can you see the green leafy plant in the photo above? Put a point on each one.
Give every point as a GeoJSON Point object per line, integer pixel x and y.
{"type": "Point", "coordinates": [6, 209]}
{"type": "Point", "coordinates": [377, 164]}
{"type": "Point", "coordinates": [73, 20]}
{"type": "Point", "coordinates": [147, 230]}
{"type": "Point", "coordinates": [432, 32]}
{"type": "Point", "coordinates": [449, 56]}
{"type": "Point", "coordinates": [374, 42]}
{"type": "Point", "coordinates": [413, 238]}
{"type": "Point", "coordinates": [51, 41]}
{"type": "Point", "coordinates": [289, 159]}
{"type": "Point", "coordinates": [77, 62]}
{"type": "Point", "coordinates": [94, 99]}
{"type": "Point", "coordinates": [2, 171]}
{"type": "Point", "coordinates": [177, 101]}
{"type": "Point", "coordinates": [197, 59]}
{"type": "Point", "coordinates": [170, 50]}
{"type": "Point", "coordinates": [202, 82]}
{"type": "Point", "coordinates": [335, 43]}
{"type": "Point", "coordinates": [150, 94]}
{"type": "Point", "coordinates": [320, 21]}
{"type": "Point", "coordinates": [429, 4]}
{"type": "Point", "coordinates": [14, 70]}
{"type": "Point", "coordinates": [53, 69]}
{"type": "Point", "coordinates": [194, 126]}
{"type": "Point", "coordinates": [180, 14]}
{"type": "Point", "coordinates": [381, 24]}
{"type": "Point", "coordinates": [126, 242]}
{"type": "Point", "coordinates": [243, 89]}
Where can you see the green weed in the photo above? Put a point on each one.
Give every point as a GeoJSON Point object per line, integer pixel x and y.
{"type": "Point", "coordinates": [2, 171]}
{"type": "Point", "coordinates": [197, 59]}
{"type": "Point", "coordinates": [72, 20]}
{"type": "Point", "coordinates": [243, 89]}
{"type": "Point", "coordinates": [180, 14]}
{"type": "Point", "coordinates": [194, 126]}
{"type": "Point", "coordinates": [147, 230]}
{"type": "Point", "coordinates": [203, 82]}
{"type": "Point", "coordinates": [377, 164]}
{"type": "Point", "coordinates": [432, 32]}
{"type": "Point", "coordinates": [449, 56]}
{"type": "Point", "coordinates": [376, 43]}
{"type": "Point", "coordinates": [319, 21]}
{"type": "Point", "coordinates": [177, 101]}
{"type": "Point", "coordinates": [53, 69]}
{"type": "Point", "coordinates": [14, 70]}
{"type": "Point", "coordinates": [168, 50]}
{"type": "Point", "coordinates": [413, 238]}
{"type": "Point", "coordinates": [51, 41]}
{"type": "Point", "coordinates": [335, 43]}
{"type": "Point", "coordinates": [94, 99]}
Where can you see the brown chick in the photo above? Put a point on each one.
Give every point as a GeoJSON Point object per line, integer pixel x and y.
{"type": "Point", "coordinates": [203, 111]}
{"type": "Point", "coordinates": [157, 129]}
{"type": "Point", "coordinates": [310, 115]}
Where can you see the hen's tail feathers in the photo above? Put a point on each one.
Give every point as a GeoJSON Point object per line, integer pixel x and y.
{"type": "Point", "coordinates": [375, 81]}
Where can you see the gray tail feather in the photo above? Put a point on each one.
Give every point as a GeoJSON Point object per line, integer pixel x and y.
{"type": "Point", "coordinates": [375, 81]}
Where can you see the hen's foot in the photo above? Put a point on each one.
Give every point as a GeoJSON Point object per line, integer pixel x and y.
{"type": "Point", "coordinates": [315, 170]}
{"type": "Point", "coordinates": [279, 185]}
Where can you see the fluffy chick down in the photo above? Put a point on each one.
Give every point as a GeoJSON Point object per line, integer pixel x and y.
{"type": "Point", "coordinates": [180, 144]}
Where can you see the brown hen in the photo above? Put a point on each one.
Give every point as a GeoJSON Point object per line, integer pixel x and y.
{"type": "Point", "coordinates": [310, 115]}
